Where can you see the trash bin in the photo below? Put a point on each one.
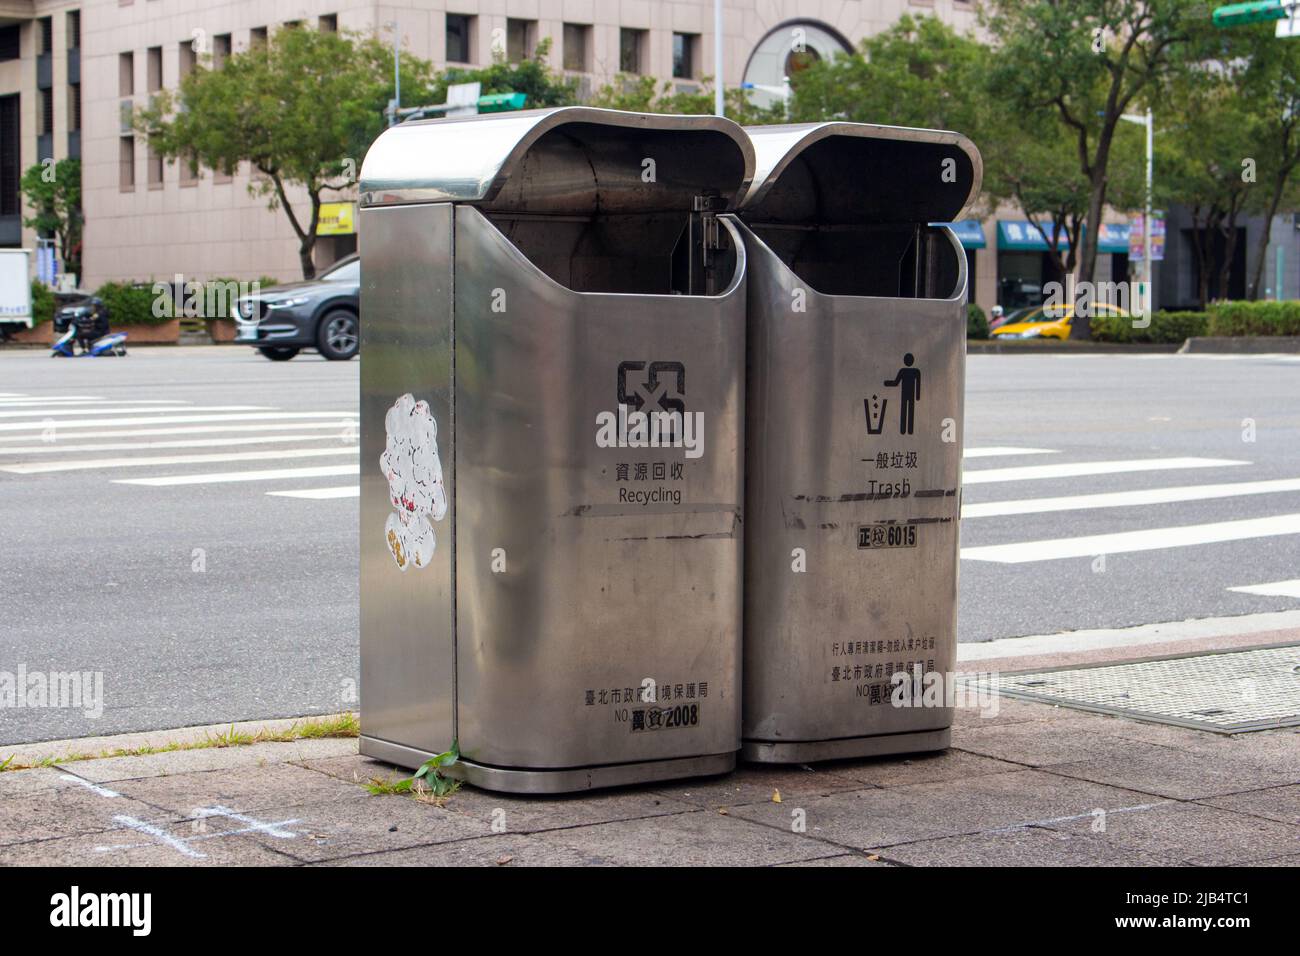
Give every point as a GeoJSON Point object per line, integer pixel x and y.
{"type": "Point", "coordinates": [552, 397]}
{"type": "Point", "coordinates": [856, 366]}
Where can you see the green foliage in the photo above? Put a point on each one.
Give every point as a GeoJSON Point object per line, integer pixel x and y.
{"type": "Point", "coordinates": [429, 777]}
{"type": "Point", "coordinates": [301, 110]}
{"type": "Point", "coordinates": [977, 323]}
{"type": "Point", "coordinates": [42, 302]}
{"type": "Point", "coordinates": [533, 77]}
{"type": "Point", "coordinates": [1165, 327]}
{"type": "Point", "coordinates": [1254, 318]}
{"type": "Point", "coordinates": [643, 94]}
{"type": "Point", "coordinates": [130, 303]}
{"type": "Point", "coordinates": [54, 194]}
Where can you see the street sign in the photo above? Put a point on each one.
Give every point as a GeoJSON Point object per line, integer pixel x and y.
{"type": "Point", "coordinates": [501, 102]}
{"type": "Point", "coordinates": [1136, 250]}
{"type": "Point", "coordinates": [1259, 11]}
{"type": "Point", "coordinates": [336, 219]}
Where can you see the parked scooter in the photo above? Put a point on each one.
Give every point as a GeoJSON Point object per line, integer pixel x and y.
{"type": "Point", "coordinates": [85, 325]}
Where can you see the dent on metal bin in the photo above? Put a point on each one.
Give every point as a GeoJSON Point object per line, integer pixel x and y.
{"type": "Point", "coordinates": [551, 489]}
{"type": "Point", "coordinates": [856, 367]}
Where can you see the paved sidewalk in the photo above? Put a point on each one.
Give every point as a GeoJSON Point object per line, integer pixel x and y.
{"type": "Point", "coordinates": [1033, 785]}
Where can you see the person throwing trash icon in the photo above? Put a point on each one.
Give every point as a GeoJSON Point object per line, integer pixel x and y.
{"type": "Point", "coordinates": [908, 380]}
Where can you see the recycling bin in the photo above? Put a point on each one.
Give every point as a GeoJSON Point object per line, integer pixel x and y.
{"type": "Point", "coordinates": [856, 366]}
{"type": "Point", "coordinates": [552, 399]}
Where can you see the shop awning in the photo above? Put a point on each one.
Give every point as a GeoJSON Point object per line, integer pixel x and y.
{"type": "Point", "coordinates": [1020, 235]}
{"type": "Point", "coordinates": [969, 232]}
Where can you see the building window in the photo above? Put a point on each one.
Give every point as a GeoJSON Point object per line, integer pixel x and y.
{"type": "Point", "coordinates": [154, 163]}
{"type": "Point", "coordinates": [74, 107]}
{"type": "Point", "coordinates": [521, 37]}
{"type": "Point", "coordinates": [458, 38]}
{"type": "Point", "coordinates": [126, 74]}
{"type": "Point", "coordinates": [328, 23]}
{"type": "Point", "coordinates": [9, 43]}
{"type": "Point", "coordinates": [46, 35]}
{"type": "Point", "coordinates": [257, 38]}
{"type": "Point", "coordinates": [631, 50]}
{"type": "Point", "coordinates": [684, 55]}
{"type": "Point", "coordinates": [185, 59]}
{"type": "Point", "coordinates": [220, 50]}
{"type": "Point", "coordinates": [9, 174]}
{"type": "Point", "coordinates": [47, 112]}
{"type": "Point", "coordinates": [126, 162]}
{"type": "Point", "coordinates": [577, 41]}
{"type": "Point", "coordinates": [74, 29]}
{"type": "Point", "coordinates": [153, 69]}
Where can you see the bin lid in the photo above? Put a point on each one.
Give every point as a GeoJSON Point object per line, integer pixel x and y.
{"type": "Point", "coordinates": [860, 174]}
{"type": "Point", "coordinates": [572, 160]}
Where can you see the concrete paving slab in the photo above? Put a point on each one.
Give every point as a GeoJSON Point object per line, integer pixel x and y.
{"type": "Point", "coordinates": [123, 847]}
{"type": "Point", "coordinates": [846, 859]}
{"type": "Point", "coordinates": [950, 764]}
{"type": "Point", "coordinates": [15, 783]}
{"type": "Point", "coordinates": [1009, 711]}
{"type": "Point", "coordinates": [1276, 803]}
{"type": "Point", "coordinates": [525, 814]}
{"type": "Point", "coordinates": [106, 769]}
{"type": "Point", "coordinates": [513, 850]}
{"type": "Point", "coordinates": [1029, 846]}
{"type": "Point", "coordinates": [1197, 835]}
{"type": "Point", "coordinates": [325, 831]}
{"type": "Point", "coordinates": [355, 768]}
{"type": "Point", "coordinates": [245, 789]}
{"type": "Point", "coordinates": [1042, 743]}
{"type": "Point", "coordinates": [759, 783]}
{"type": "Point", "coordinates": [699, 838]}
{"type": "Point", "coordinates": [883, 817]}
{"type": "Point", "coordinates": [65, 812]}
{"type": "Point", "coordinates": [1167, 772]}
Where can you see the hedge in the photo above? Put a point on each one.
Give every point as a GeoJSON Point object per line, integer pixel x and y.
{"type": "Point", "coordinates": [42, 303]}
{"type": "Point", "coordinates": [130, 303]}
{"type": "Point", "coordinates": [977, 325]}
{"type": "Point", "coordinates": [1254, 318]}
{"type": "Point", "coordinates": [1165, 327]}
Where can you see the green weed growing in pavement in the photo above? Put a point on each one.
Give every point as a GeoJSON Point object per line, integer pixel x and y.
{"type": "Point", "coordinates": [341, 725]}
{"type": "Point", "coordinates": [428, 782]}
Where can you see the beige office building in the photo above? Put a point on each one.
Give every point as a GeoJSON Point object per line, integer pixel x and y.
{"type": "Point", "coordinates": [68, 70]}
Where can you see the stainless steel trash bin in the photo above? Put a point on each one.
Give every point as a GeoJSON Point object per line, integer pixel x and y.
{"type": "Point", "coordinates": [856, 340]}
{"type": "Point", "coordinates": [552, 400]}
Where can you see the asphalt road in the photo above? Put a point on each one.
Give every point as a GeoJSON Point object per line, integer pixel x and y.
{"type": "Point", "coordinates": [203, 600]}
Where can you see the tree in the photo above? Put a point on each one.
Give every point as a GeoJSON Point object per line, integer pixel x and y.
{"type": "Point", "coordinates": [1270, 94]}
{"type": "Point", "coordinates": [1090, 60]}
{"type": "Point", "coordinates": [53, 190]}
{"type": "Point", "coordinates": [532, 76]}
{"type": "Point", "coordinates": [643, 94]}
{"type": "Point", "coordinates": [919, 72]}
{"type": "Point", "coordinates": [1201, 165]}
{"type": "Point", "coordinates": [301, 110]}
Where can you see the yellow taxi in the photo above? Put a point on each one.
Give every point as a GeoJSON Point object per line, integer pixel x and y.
{"type": "Point", "coordinates": [1048, 322]}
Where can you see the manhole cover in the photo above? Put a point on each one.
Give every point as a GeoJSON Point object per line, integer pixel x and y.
{"type": "Point", "coordinates": [1228, 692]}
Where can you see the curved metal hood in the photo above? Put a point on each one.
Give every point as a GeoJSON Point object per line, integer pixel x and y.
{"type": "Point", "coordinates": [568, 160]}
{"type": "Point", "coordinates": [860, 173]}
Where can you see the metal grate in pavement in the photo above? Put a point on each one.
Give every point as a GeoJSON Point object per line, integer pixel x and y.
{"type": "Point", "coordinates": [1229, 692]}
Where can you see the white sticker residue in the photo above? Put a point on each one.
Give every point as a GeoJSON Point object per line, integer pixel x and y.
{"type": "Point", "coordinates": [410, 463]}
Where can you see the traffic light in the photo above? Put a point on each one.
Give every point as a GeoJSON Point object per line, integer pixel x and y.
{"type": "Point", "coordinates": [1258, 11]}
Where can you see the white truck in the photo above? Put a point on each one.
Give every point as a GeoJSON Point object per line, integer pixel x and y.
{"type": "Point", "coordinates": [15, 291]}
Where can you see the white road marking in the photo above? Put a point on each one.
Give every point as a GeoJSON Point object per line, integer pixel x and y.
{"type": "Point", "coordinates": [56, 447]}
{"type": "Point", "coordinates": [1275, 589]}
{"type": "Point", "coordinates": [1091, 815]}
{"type": "Point", "coordinates": [1152, 539]}
{"type": "Point", "coordinates": [176, 843]}
{"type": "Point", "coordinates": [1121, 499]}
{"type": "Point", "coordinates": [85, 464]}
{"type": "Point", "coordinates": [63, 401]}
{"type": "Point", "coordinates": [171, 419]}
{"type": "Point", "coordinates": [92, 787]}
{"type": "Point", "coordinates": [318, 494]}
{"type": "Point", "coordinates": [270, 829]}
{"type": "Point", "coordinates": [327, 471]}
{"type": "Point", "coordinates": [998, 451]}
{"type": "Point", "coordinates": [96, 410]}
{"type": "Point", "coordinates": [1080, 468]}
{"type": "Point", "coordinates": [61, 435]}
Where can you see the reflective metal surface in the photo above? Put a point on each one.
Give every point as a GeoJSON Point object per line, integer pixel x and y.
{"type": "Point", "coordinates": [852, 471]}
{"type": "Point", "coordinates": [579, 624]}
{"type": "Point", "coordinates": [472, 158]}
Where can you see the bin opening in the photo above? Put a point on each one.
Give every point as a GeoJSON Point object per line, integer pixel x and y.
{"type": "Point", "coordinates": [851, 214]}
{"type": "Point", "coordinates": [602, 208]}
